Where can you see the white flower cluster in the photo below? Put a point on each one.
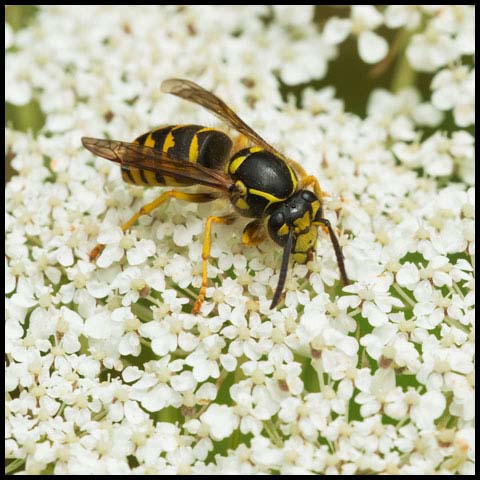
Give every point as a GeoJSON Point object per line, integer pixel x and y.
{"type": "Point", "coordinates": [107, 372]}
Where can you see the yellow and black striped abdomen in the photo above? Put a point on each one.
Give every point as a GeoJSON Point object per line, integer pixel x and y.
{"type": "Point", "coordinates": [189, 143]}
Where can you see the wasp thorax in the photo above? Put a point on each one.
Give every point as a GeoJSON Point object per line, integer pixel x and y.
{"type": "Point", "coordinates": [261, 179]}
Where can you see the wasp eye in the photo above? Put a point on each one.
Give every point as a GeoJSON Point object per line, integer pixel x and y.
{"type": "Point", "coordinates": [277, 220]}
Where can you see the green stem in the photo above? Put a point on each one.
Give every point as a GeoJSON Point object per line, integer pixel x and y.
{"type": "Point", "coordinates": [457, 290]}
{"type": "Point", "coordinates": [405, 297]}
{"type": "Point", "coordinates": [10, 468]}
{"type": "Point", "coordinates": [319, 370]}
{"type": "Point", "coordinates": [404, 76]}
{"type": "Point", "coordinates": [143, 313]}
{"type": "Point", "coordinates": [455, 323]}
{"type": "Point", "coordinates": [272, 434]}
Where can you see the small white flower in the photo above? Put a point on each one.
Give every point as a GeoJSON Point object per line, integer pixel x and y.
{"type": "Point", "coordinates": [374, 389]}
{"type": "Point", "coordinates": [387, 344]}
{"type": "Point", "coordinates": [374, 297]}
{"type": "Point", "coordinates": [364, 19]}
{"type": "Point", "coordinates": [152, 388]}
{"type": "Point", "coordinates": [408, 275]}
{"type": "Point", "coordinates": [397, 16]}
{"type": "Point", "coordinates": [304, 61]}
{"type": "Point", "coordinates": [431, 50]}
{"type": "Point", "coordinates": [297, 15]}
{"type": "Point", "coordinates": [169, 334]}
{"type": "Point", "coordinates": [244, 409]}
{"type": "Point", "coordinates": [427, 311]}
{"type": "Point", "coordinates": [99, 326]}
{"type": "Point", "coordinates": [139, 253]}
{"type": "Point", "coordinates": [221, 420]}
{"type": "Point", "coordinates": [455, 89]}
{"type": "Point", "coordinates": [133, 282]}
{"type": "Point", "coordinates": [336, 30]}
{"type": "Point", "coordinates": [372, 47]}
{"type": "Point", "coordinates": [428, 408]}
{"type": "Point", "coordinates": [130, 340]}
{"type": "Point", "coordinates": [206, 357]}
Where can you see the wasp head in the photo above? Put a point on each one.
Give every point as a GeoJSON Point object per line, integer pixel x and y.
{"type": "Point", "coordinates": [293, 224]}
{"type": "Point", "coordinates": [299, 216]}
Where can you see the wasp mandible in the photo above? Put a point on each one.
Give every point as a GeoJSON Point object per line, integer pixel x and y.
{"type": "Point", "coordinates": [260, 182]}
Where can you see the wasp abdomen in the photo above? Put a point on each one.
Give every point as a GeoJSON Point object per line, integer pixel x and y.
{"type": "Point", "coordinates": [189, 143]}
{"type": "Point", "coordinates": [261, 179]}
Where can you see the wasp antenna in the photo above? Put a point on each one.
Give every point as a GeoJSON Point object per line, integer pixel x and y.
{"type": "Point", "coordinates": [283, 270]}
{"type": "Point", "coordinates": [338, 251]}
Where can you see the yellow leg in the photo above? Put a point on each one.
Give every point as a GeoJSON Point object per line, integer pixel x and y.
{"type": "Point", "coordinates": [305, 179]}
{"type": "Point", "coordinates": [297, 167]}
{"type": "Point", "coordinates": [149, 207]}
{"type": "Point", "coordinates": [310, 180]}
{"type": "Point", "coordinates": [240, 142]}
{"type": "Point", "coordinates": [207, 242]}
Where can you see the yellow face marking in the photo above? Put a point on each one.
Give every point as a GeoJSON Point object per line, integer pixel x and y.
{"type": "Point", "coordinates": [255, 149]}
{"type": "Point", "coordinates": [233, 166]}
{"type": "Point", "coordinates": [241, 204]}
{"type": "Point", "coordinates": [193, 150]}
{"type": "Point", "coordinates": [315, 208]}
{"type": "Point", "coordinates": [304, 222]}
{"type": "Point", "coordinates": [304, 243]}
{"type": "Point", "coordinates": [300, 257]}
{"type": "Point", "coordinates": [283, 230]}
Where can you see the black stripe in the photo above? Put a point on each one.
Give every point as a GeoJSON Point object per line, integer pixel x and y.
{"type": "Point", "coordinates": [141, 139]}
{"type": "Point", "coordinates": [129, 174]}
{"type": "Point", "coordinates": [160, 135]}
{"type": "Point", "coordinates": [213, 149]}
{"type": "Point", "coordinates": [183, 137]}
{"type": "Point", "coordinates": [143, 177]}
{"type": "Point", "coordinates": [159, 178]}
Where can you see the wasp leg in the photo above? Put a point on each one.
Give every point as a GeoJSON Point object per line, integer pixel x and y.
{"type": "Point", "coordinates": [310, 180]}
{"type": "Point", "coordinates": [207, 242]}
{"type": "Point", "coordinates": [254, 233]}
{"type": "Point", "coordinates": [239, 143]}
{"type": "Point", "coordinates": [149, 207]}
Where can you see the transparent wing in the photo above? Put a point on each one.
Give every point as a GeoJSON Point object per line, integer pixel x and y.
{"type": "Point", "coordinates": [195, 93]}
{"type": "Point", "coordinates": [138, 156]}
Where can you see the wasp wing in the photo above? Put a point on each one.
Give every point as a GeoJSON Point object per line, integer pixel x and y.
{"type": "Point", "coordinates": [195, 93]}
{"type": "Point", "coordinates": [138, 156]}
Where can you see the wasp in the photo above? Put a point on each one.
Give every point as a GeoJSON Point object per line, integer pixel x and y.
{"type": "Point", "coordinates": [261, 183]}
